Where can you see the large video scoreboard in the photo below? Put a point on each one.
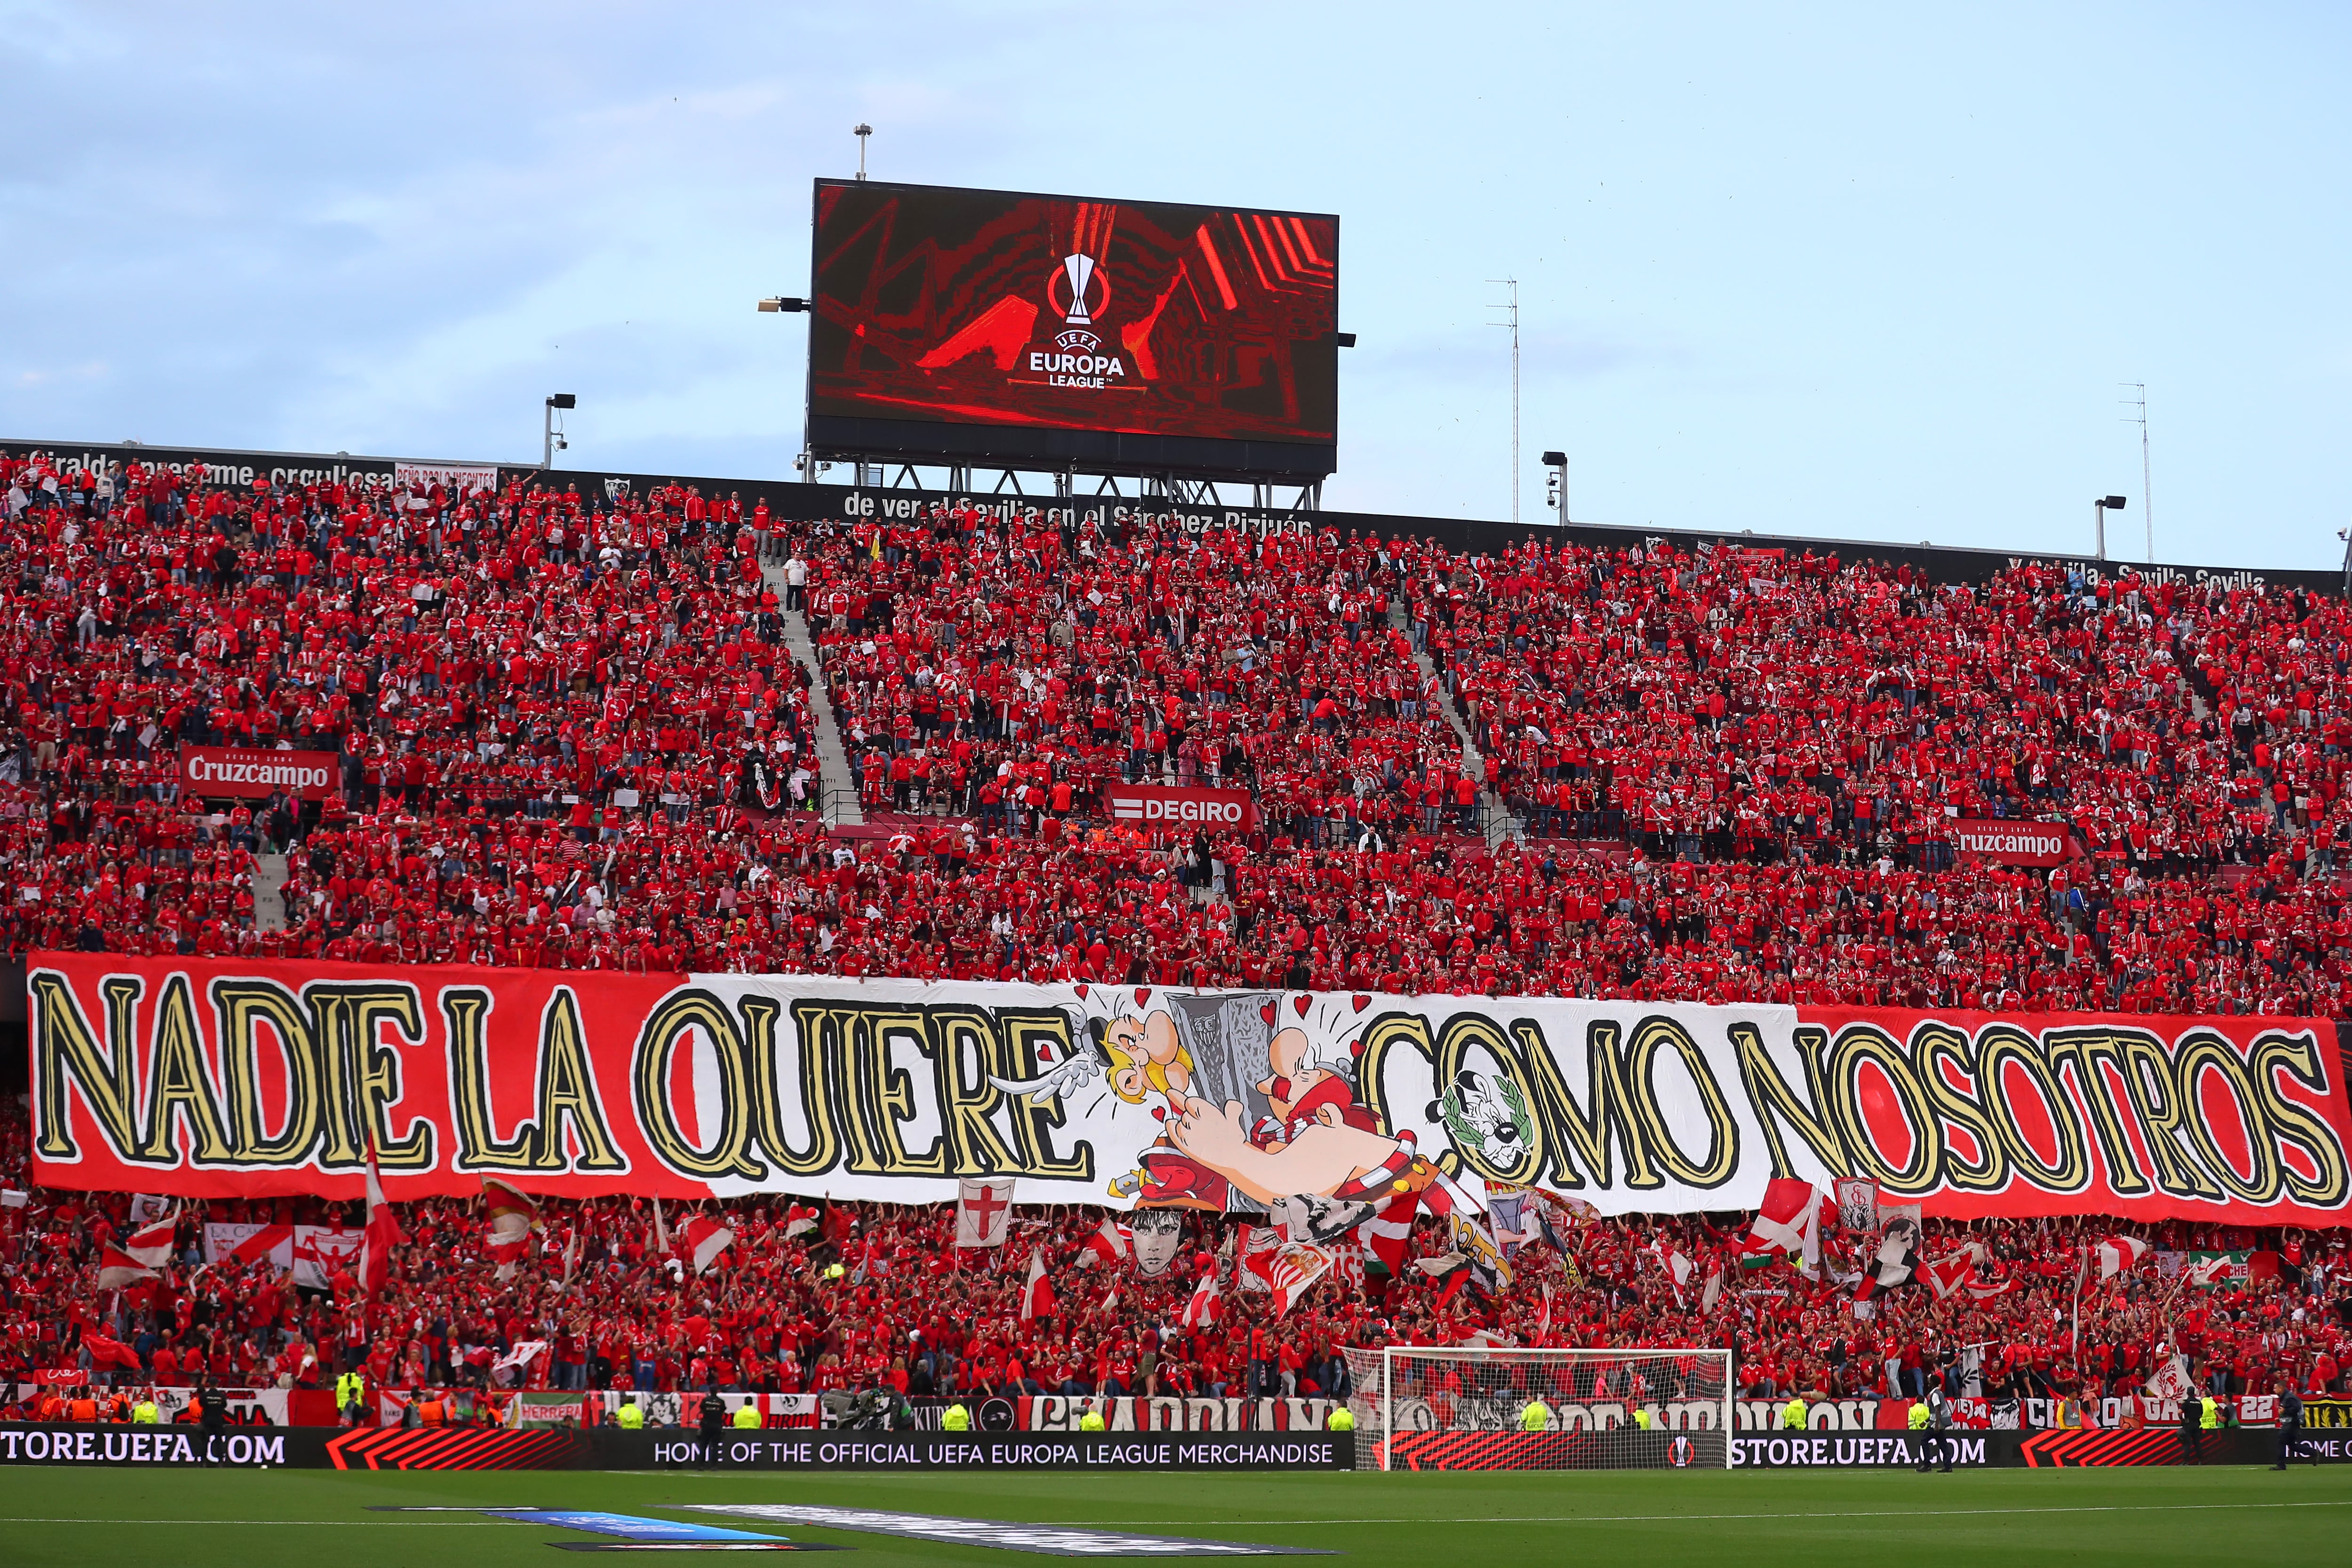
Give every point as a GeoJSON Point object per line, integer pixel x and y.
{"type": "Point", "coordinates": [991, 327]}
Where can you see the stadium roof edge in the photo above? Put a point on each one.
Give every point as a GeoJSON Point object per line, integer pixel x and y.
{"type": "Point", "coordinates": [795, 498]}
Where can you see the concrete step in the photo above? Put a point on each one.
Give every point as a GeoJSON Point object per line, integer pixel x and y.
{"type": "Point", "coordinates": [1500, 824]}
{"type": "Point", "coordinates": [840, 781]}
{"type": "Point", "coordinates": [269, 898]}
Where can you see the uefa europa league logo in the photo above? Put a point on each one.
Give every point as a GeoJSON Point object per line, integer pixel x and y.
{"type": "Point", "coordinates": [1077, 272]}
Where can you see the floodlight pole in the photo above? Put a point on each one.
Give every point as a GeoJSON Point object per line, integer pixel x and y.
{"type": "Point", "coordinates": [1511, 305]}
{"type": "Point", "coordinates": [2146, 490]}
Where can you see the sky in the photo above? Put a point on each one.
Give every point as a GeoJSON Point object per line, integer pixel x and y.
{"type": "Point", "coordinates": [1862, 272]}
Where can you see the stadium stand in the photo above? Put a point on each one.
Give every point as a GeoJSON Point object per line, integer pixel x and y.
{"type": "Point", "coordinates": [574, 732]}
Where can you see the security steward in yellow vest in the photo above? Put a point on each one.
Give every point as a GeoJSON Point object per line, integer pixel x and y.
{"type": "Point", "coordinates": [1536, 1417]}
{"type": "Point", "coordinates": [957, 1419]}
{"type": "Point", "coordinates": [1793, 1414]}
{"type": "Point", "coordinates": [351, 1389]}
{"type": "Point", "coordinates": [1091, 1421]}
{"type": "Point", "coordinates": [746, 1417]}
{"type": "Point", "coordinates": [146, 1413]}
{"type": "Point", "coordinates": [628, 1418]}
{"type": "Point", "coordinates": [1341, 1419]}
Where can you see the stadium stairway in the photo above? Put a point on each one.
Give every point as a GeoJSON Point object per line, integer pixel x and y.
{"type": "Point", "coordinates": [837, 778]}
{"type": "Point", "coordinates": [1500, 823]}
{"type": "Point", "coordinates": [269, 900]}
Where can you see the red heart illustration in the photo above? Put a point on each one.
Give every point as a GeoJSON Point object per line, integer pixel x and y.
{"type": "Point", "coordinates": [1356, 1046]}
{"type": "Point", "coordinates": [1082, 993]}
{"type": "Point", "coordinates": [1158, 1113]}
{"type": "Point", "coordinates": [1301, 1004]}
{"type": "Point", "coordinates": [1265, 1011]}
{"type": "Point", "coordinates": [1142, 994]}
{"type": "Point", "coordinates": [1362, 1003]}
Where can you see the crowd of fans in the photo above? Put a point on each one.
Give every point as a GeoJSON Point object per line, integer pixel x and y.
{"type": "Point", "coordinates": [860, 1295]}
{"type": "Point", "coordinates": [572, 731]}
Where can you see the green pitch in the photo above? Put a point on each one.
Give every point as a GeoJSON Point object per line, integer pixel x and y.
{"type": "Point", "coordinates": [1993, 1519]}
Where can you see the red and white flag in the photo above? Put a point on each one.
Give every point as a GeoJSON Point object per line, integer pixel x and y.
{"type": "Point", "coordinates": [151, 1243]}
{"type": "Point", "coordinates": [383, 1233]}
{"type": "Point", "coordinates": [1037, 1294]}
{"type": "Point", "coordinates": [2171, 1380]}
{"type": "Point", "coordinates": [983, 1212]}
{"type": "Point", "coordinates": [1679, 1267]}
{"type": "Point", "coordinates": [1387, 1234]}
{"type": "Point", "coordinates": [799, 1220]}
{"type": "Point", "coordinates": [514, 1367]}
{"type": "Point", "coordinates": [117, 1269]}
{"type": "Point", "coordinates": [1953, 1272]}
{"type": "Point", "coordinates": [1108, 1246]}
{"type": "Point", "coordinates": [511, 1216]}
{"type": "Point", "coordinates": [1789, 1222]}
{"type": "Point", "coordinates": [2119, 1253]}
{"type": "Point", "coordinates": [263, 1241]}
{"type": "Point", "coordinates": [2210, 1270]}
{"type": "Point", "coordinates": [704, 1241]}
{"type": "Point", "coordinates": [1289, 1270]}
{"type": "Point", "coordinates": [1201, 1310]}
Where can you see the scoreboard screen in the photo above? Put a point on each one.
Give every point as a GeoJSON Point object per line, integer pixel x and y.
{"type": "Point", "coordinates": [979, 326]}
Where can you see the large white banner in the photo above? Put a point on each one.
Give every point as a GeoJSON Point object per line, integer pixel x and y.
{"type": "Point", "coordinates": [261, 1077]}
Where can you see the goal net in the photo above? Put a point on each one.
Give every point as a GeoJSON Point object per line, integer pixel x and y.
{"type": "Point", "coordinates": [1469, 1408]}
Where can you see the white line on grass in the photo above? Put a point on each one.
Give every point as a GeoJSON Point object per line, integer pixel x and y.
{"type": "Point", "coordinates": [1254, 1523]}
{"type": "Point", "coordinates": [1651, 1517]}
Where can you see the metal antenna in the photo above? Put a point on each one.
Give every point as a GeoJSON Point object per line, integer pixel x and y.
{"type": "Point", "coordinates": [2147, 500]}
{"type": "Point", "coordinates": [1511, 305]}
{"type": "Point", "coordinates": [861, 133]}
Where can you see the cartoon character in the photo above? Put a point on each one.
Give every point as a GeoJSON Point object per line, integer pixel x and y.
{"type": "Point", "coordinates": [1146, 1055]}
{"type": "Point", "coordinates": [1488, 1117]}
{"type": "Point", "coordinates": [1318, 1145]}
{"type": "Point", "coordinates": [1304, 1090]}
{"type": "Point", "coordinates": [1134, 1056]}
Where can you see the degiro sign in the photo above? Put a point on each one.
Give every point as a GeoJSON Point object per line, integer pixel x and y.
{"type": "Point", "coordinates": [236, 771]}
{"type": "Point", "coordinates": [1149, 806]}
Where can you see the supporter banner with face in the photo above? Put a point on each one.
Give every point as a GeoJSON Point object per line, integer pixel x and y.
{"type": "Point", "coordinates": [256, 1078]}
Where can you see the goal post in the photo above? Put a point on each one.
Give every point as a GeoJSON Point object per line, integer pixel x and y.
{"type": "Point", "coordinates": [1467, 1407]}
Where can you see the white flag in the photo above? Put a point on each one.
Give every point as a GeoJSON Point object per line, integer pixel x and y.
{"type": "Point", "coordinates": [983, 1212]}
{"type": "Point", "coordinates": [705, 1240]}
